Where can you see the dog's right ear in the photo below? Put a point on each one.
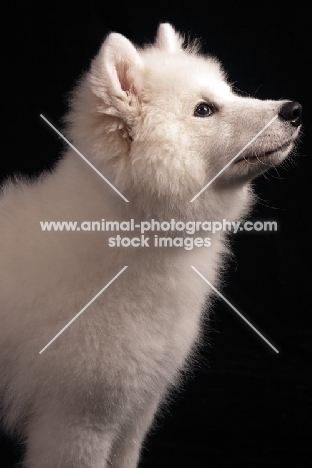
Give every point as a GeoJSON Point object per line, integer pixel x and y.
{"type": "Point", "coordinates": [115, 75]}
{"type": "Point", "coordinates": [168, 39]}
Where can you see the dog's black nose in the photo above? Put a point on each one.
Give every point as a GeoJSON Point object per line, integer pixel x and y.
{"type": "Point", "coordinates": [292, 112]}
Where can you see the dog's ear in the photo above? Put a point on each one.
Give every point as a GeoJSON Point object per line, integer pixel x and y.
{"type": "Point", "coordinates": [168, 39]}
{"type": "Point", "coordinates": [115, 74]}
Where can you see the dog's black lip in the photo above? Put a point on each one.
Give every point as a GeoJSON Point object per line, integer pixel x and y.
{"type": "Point", "coordinates": [266, 153]}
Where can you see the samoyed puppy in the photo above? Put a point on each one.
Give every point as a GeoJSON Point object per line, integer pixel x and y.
{"type": "Point", "coordinates": [159, 123]}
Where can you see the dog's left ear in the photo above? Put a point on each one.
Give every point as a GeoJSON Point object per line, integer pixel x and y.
{"type": "Point", "coordinates": [168, 39]}
{"type": "Point", "coordinates": [115, 75]}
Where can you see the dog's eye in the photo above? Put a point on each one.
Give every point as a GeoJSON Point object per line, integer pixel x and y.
{"type": "Point", "coordinates": [204, 110]}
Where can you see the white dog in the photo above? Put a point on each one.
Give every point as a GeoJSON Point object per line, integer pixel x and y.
{"type": "Point", "coordinates": [159, 123]}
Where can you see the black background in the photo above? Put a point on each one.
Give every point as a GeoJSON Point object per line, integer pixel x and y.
{"type": "Point", "coordinates": [244, 404]}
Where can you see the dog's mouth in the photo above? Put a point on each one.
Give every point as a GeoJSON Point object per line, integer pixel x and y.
{"type": "Point", "coordinates": [257, 157]}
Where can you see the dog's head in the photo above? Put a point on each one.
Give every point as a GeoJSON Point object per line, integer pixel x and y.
{"type": "Point", "coordinates": [163, 121]}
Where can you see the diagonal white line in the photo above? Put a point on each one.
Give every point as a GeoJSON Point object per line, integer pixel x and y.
{"type": "Point", "coordinates": [233, 159]}
{"type": "Point", "coordinates": [82, 310]}
{"type": "Point", "coordinates": [232, 307]}
{"type": "Point", "coordinates": [85, 159]}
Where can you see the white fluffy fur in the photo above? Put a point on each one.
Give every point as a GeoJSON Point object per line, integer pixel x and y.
{"type": "Point", "coordinates": [90, 398]}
